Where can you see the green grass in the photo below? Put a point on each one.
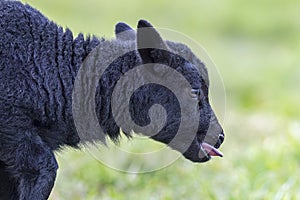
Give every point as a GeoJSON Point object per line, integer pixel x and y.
{"type": "Point", "coordinates": [256, 46]}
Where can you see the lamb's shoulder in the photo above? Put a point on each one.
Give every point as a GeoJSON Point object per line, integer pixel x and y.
{"type": "Point", "coordinates": [34, 54]}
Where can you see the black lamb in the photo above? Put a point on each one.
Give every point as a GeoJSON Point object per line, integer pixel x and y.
{"type": "Point", "coordinates": [39, 65]}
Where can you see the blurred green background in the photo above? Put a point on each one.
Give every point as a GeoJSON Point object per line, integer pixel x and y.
{"type": "Point", "coordinates": [256, 46]}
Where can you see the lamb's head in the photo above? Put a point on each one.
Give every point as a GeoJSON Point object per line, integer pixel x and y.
{"type": "Point", "coordinates": [159, 89]}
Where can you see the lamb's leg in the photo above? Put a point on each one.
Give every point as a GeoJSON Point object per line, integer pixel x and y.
{"type": "Point", "coordinates": [33, 165]}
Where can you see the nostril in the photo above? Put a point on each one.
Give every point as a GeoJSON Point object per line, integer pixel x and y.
{"type": "Point", "coordinates": [220, 140]}
{"type": "Point", "coordinates": [221, 137]}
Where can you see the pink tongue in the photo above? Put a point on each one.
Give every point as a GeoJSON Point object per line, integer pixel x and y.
{"type": "Point", "coordinates": [212, 151]}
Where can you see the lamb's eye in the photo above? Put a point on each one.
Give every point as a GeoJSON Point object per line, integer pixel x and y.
{"type": "Point", "coordinates": [194, 93]}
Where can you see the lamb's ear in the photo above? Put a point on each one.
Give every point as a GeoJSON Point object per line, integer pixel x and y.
{"type": "Point", "coordinates": [124, 32]}
{"type": "Point", "coordinates": [147, 40]}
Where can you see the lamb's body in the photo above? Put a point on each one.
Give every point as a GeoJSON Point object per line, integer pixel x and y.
{"type": "Point", "coordinates": [38, 65]}
{"type": "Point", "coordinates": [40, 61]}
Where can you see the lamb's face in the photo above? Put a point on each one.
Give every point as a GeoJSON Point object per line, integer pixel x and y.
{"type": "Point", "coordinates": [189, 123]}
{"type": "Point", "coordinates": [210, 134]}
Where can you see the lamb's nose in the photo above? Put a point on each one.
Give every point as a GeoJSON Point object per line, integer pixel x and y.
{"type": "Point", "coordinates": [220, 140]}
{"type": "Point", "coordinates": [221, 137]}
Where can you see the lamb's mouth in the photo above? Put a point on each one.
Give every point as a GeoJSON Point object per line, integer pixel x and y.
{"type": "Point", "coordinates": [208, 151]}
{"type": "Point", "coordinates": [202, 150]}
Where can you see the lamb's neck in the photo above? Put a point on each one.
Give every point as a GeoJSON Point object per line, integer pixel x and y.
{"type": "Point", "coordinates": [66, 60]}
{"type": "Point", "coordinates": [94, 85]}
{"type": "Point", "coordinates": [114, 59]}
{"type": "Point", "coordinates": [76, 50]}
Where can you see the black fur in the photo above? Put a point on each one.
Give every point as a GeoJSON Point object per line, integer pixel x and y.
{"type": "Point", "coordinates": [39, 62]}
